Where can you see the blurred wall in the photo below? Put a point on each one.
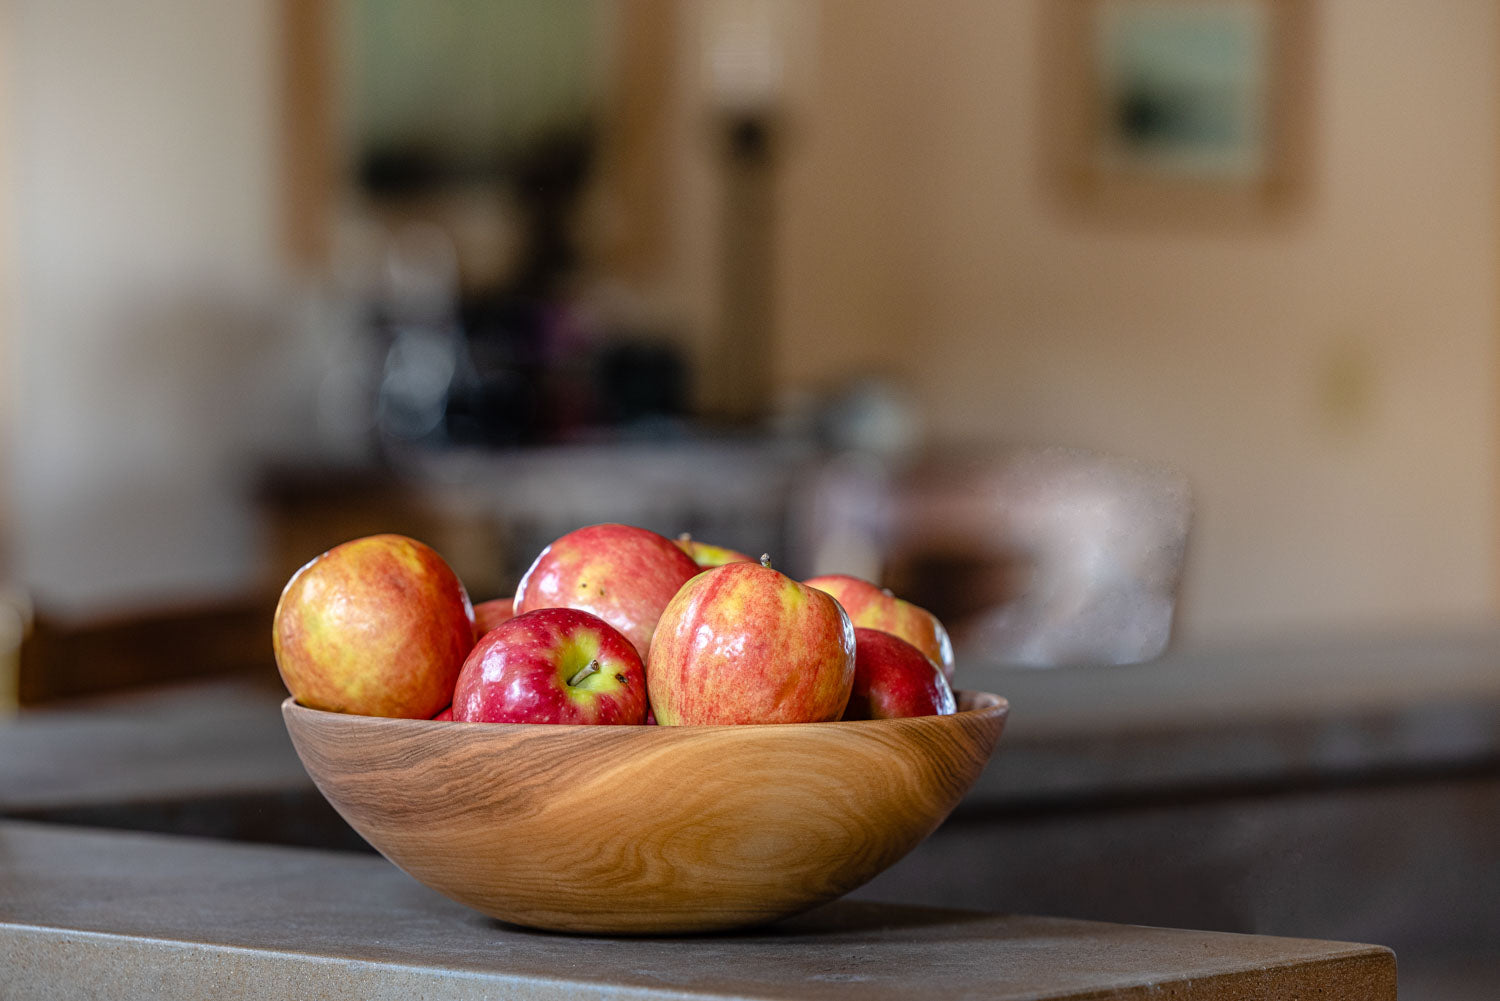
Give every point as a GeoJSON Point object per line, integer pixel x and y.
{"type": "Point", "coordinates": [7, 267]}
{"type": "Point", "coordinates": [140, 223]}
{"type": "Point", "coordinates": [1329, 386]}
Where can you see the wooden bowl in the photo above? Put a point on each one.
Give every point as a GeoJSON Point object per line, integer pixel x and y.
{"type": "Point", "coordinates": [645, 829]}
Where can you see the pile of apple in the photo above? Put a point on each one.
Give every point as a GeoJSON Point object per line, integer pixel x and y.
{"type": "Point", "coordinates": [611, 624]}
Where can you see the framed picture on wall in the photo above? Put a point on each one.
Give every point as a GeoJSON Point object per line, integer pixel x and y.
{"type": "Point", "coordinates": [1178, 111]}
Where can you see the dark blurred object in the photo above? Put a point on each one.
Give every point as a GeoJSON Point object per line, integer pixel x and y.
{"type": "Point", "coordinates": [549, 178]}
{"type": "Point", "coordinates": [640, 382]}
{"type": "Point", "coordinates": [518, 362]}
{"type": "Point", "coordinates": [503, 400]}
{"type": "Point", "coordinates": [398, 173]}
{"type": "Point", "coordinates": [745, 341]}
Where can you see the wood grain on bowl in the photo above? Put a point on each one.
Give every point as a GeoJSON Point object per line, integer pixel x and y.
{"type": "Point", "coordinates": [642, 829]}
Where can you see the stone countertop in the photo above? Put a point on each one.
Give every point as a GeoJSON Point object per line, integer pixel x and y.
{"type": "Point", "coordinates": [93, 914]}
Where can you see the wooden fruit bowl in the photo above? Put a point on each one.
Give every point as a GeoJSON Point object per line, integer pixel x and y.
{"type": "Point", "coordinates": [645, 829]}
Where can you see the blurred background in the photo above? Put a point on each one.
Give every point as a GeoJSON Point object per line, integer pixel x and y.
{"type": "Point", "coordinates": [1100, 327]}
{"type": "Point", "coordinates": [258, 253]}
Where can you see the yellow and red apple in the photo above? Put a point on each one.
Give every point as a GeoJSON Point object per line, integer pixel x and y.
{"type": "Point", "coordinates": [742, 643]}
{"type": "Point", "coordinates": [707, 555]}
{"type": "Point", "coordinates": [378, 626]}
{"type": "Point", "coordinates": [624, 575]}
{"type": "Point", "coordinates": [872, 607]}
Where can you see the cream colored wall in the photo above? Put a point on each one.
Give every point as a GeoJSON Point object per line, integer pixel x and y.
{"type": "Point", "coordinates": [1330, 388]}
{"type": "Point", "coordinates": [142, 229]}
{"type": "Point", "coordinates": [6, 239]}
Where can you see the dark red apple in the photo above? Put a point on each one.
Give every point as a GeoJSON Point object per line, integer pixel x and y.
{"type": "Point", "coordinates": [872, 607]}
{"type": "Point", "coordinates": [378, 626]}
{"type": "Point", "coordinates": [554, 665]}
{"type": "Point", "coordinates": [489, 614]}
{"type": "Point", "coordinates": [892, 678]}
{"type": "Point", "coordinates": [742, 643]}
{"type": "Point", "coordinates": [624, 575]}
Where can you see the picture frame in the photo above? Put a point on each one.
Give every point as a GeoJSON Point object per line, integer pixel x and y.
{"type": "Point", "coordinates": [1178, 112]}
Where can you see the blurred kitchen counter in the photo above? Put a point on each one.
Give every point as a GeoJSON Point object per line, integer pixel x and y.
{"type": "Point", "coordinates": [210, 758]}
{"type": "Point", "coordinates": [1292, 712]}
{"type": "Point", "coordinates": [90, 914]}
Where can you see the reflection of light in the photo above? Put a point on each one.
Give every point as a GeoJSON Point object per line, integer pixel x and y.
{"type": "Point", "coordinates": [747, 50]}
{"type": "Point", "coordinates": [421, 274]}
{"type": "Point", "coordinates": [414, 392]}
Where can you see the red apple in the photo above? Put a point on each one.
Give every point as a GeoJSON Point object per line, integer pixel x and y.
{"type": "Point", "coordinates": [742, 643]}
{"type": "Point", "coordinates": [446, 714]}
{"type": "Point", "coordinates": [892, 678]}
{"type": "Point", "coordinates": [872, 607]}
{"type": "Point", "coordinates": [378, 626]}
{"type": "Point", "coordinates": [489, 614]}
{"type": "Point", "coordinates": [554, 665]}
{"type": "Point", "coordinates": [624, 575]}
{"type": "Point", "coordinates": [706, 555]}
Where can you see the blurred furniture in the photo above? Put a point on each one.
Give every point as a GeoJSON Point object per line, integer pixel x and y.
{"type": "Point", "coordinates": [93, 914]}
{"type": "Point", "coordinates": [1031, 556]}
{"type": "Point", "coordinates": [309, 511]}
{"type": "Point", "coordinates": [64, 658]}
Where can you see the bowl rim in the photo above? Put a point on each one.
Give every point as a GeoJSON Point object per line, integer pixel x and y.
{"type": "Point", "coordinates": [985, 705]}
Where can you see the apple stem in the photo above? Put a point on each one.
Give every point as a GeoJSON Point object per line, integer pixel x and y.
{"type": "Point", "coordinates": [765, 560]}
{"type": "Point", "coordinates": [583, 672]}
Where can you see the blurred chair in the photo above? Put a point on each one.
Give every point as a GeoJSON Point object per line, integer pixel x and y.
{"type": "Point", "coordinates": [1032, 556]}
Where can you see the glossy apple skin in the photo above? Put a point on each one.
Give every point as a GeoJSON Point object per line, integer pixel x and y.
{"type": "Point", "coordinates": [519, 673]}
{"type": "Point", "coordinates": [489, 614]}
{"type": "Point", "coordinates": [742, 643]}
{"type": "Point", "coordinates": [707, 556]}
{"type": "Point", "coordinates": [892, 679]}
{"type": "Point", "coordinates": [624, 575]}
{"type": "Point", "coordinates": [446, 714]}
{"type": "Point", "coordinates": [378, 627]}
{"type": "Point", "coordinates": [872, 607]}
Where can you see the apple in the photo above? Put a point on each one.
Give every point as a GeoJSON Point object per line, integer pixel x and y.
{"type": "Point", "coordinates": [874, 607]}
{"type": "Point", "coordinates": [378, 626]}
{"type": "Point", "coordinates": [706, 555]}
{"type": "Point", "coordinates": [742, 643]}
{"type": "Point", "coordinates": [892, 678]}
{"type": "Point", "coordinates": [554, 665]}
{"type": "Point", "coordinates": [624, 575]}
{"type": "Point", "coordinates": [446, 714]}
{"type": "Point", "coordinates": [489, 614]}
